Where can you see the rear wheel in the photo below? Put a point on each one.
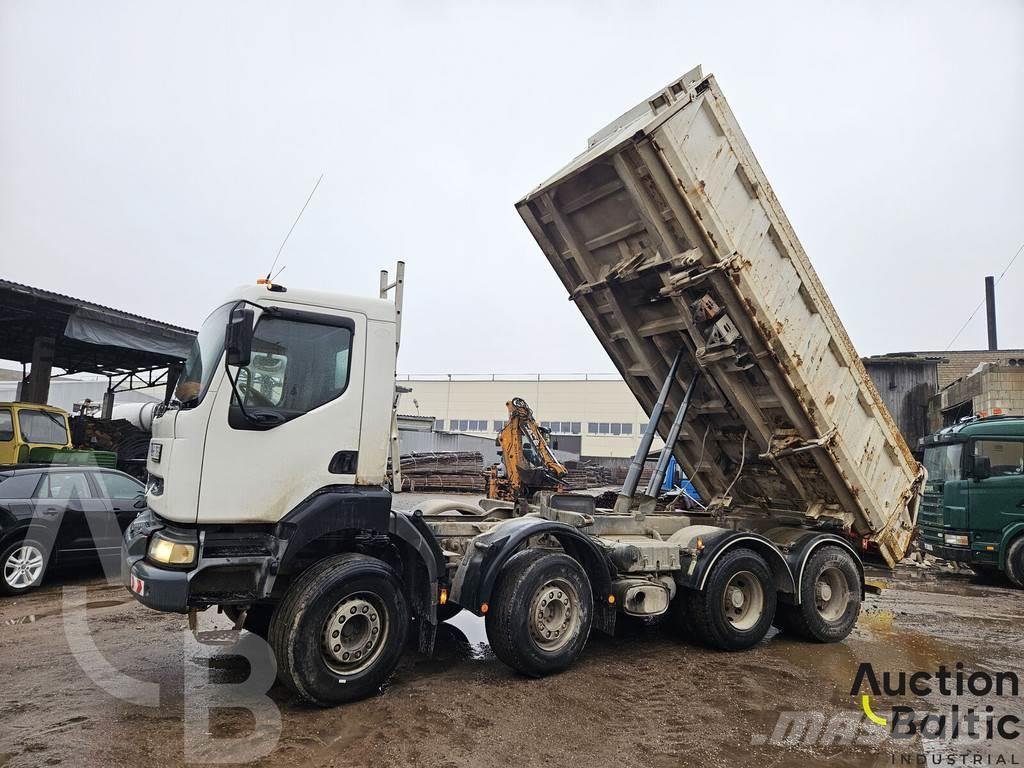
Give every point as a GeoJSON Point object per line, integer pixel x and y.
{"type": "Point", "coordinates": [340, 630]}
{"type": "Point", "coordinates": [541, 612]}
{"type": "Point", "coordinates": [735, 609]}
{"type": "Point", "coordinates": [1015, 562]}
{"type": "Point", "coordinates": [830, 592]}
{"type": "Point", "coordinates": [22, 567]}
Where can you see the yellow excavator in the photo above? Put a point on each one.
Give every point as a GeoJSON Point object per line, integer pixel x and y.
{"type": "Point", "coordinates": [527, 465]}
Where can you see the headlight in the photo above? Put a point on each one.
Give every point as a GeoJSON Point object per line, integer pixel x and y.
{"type": "Point", "coordinates": [169, 552]}
{"type": "Point", "coordinates": [957, 540]}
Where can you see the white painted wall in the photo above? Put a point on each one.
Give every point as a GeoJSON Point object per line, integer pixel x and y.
{"type": "Point", "coordinates": [478, 398]}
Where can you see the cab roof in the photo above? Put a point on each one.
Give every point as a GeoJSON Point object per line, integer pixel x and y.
{"type": "Point", "coordinates": [35, 406]}
{"type": "Point", "coordinates": [373, 309]}
{"type": "Point", "coordinates": [991, 426]}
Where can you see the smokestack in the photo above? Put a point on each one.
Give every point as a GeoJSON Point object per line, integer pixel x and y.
{"type": "Point", "coordinates": [990, 310]}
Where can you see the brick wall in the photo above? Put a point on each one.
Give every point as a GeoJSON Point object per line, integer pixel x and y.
{"type": "Point", "coordinates": [996, 386]}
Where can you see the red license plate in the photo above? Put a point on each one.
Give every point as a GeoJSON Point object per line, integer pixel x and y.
{"type": "Point", "coordinates": [138, 586]}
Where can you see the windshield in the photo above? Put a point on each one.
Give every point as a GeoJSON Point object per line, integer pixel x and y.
{"type": "Point", "coordinates": [202, 359]}
{"type": "Point", "coordinates": [42, 427]}
{"type": "Point", "coordinates": [943, 462]}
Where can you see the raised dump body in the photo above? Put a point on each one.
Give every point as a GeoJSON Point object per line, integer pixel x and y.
{"type": "Point", "coordinates": [668, 237]}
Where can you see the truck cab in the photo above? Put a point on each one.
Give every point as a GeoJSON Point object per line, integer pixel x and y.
{"type": "Point", "coordinates": [24, 426]}
{"type": "Point", "coordinates": [973, 506]}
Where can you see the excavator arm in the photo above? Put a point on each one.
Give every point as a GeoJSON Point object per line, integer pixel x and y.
{"type": "Point", "coordinates": [529, 463]}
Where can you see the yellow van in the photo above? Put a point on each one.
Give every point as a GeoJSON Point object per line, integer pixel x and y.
{"type": "Point", "coordinates": [24, 426]}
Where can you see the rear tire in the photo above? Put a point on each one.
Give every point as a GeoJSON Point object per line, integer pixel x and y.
{"type": "Point", "coordinates": [1015, 562]}
{"type": "Point", "coordinates": [340, 630]}
{"type": "Point", "coordinates": [541, 612]}
{"type": "Point", "coordinates": [831, 596]}
{"type": "Point", "coordinates": [735, 609]}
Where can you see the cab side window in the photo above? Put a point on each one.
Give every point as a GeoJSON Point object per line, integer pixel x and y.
{"type": "Point", "coordinates": [1006, 457]}
{"type": "Point", "coordinates": [64, 485]}
{"type": "Point", "coordinates": [6, 425]}
{"type": "Point", "coordinates": [296, 366]}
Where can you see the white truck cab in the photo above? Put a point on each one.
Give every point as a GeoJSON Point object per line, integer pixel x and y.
{"type": "Point", "coordinates": [310, 408]}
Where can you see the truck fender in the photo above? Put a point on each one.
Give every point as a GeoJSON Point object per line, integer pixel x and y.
{"type": "Point", "coordinates": [797, 546]}
{"type": "Point", "coordinates": [703, 545]}
{"type": "Point", "coordinates": [410, 529]}
{"type": "Point", "coordinates": [1011, 533]}
{"type": "Point", "coordinates": [487, 553]}
{"type": "Point", "coordinates": [330, 510]}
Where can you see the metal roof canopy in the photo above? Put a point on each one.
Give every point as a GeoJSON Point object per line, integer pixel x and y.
{"type": "Point", "coordinates": [88, 337]}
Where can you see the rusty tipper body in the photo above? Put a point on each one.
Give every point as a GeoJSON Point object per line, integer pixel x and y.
{"type": "Point", "coordinates": [668, 237]}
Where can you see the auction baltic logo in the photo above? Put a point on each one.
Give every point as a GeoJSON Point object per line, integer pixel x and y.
{"type": "Point", "coordinates": [946, 721]}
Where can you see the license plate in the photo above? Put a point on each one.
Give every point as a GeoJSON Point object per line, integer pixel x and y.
{"type": "Point", "coordinates": [138, 586]}
{"type": "Point", "coordinates": [928, 547]}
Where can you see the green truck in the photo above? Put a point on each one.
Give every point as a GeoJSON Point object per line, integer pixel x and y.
{"type": "Point", "coordinates": [973, 506]}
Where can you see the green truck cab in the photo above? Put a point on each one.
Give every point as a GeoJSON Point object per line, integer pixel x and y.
{"type": "Point", "coordinates": [973, 506]}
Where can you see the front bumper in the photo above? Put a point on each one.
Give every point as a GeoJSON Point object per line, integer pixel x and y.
{"type": "Point", "coordinates": [933, 542]}
{"type": "Point", "coordinates": [232, 567]}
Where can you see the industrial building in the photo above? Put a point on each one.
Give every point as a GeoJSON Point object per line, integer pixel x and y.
{"type": "Point", "coordinates": [591, 415]}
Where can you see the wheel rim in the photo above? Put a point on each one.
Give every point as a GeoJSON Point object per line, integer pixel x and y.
{"type": "Point", "coordinates": [831, 594]}
{"type": "Point", "coordinates": [355, 633]}
{"type": "Point", "coordinates": [23, 567]}
{"type": "Point", "coordinates": [554, 615]}
{"type": "Point", "coordinates": [743, 600]}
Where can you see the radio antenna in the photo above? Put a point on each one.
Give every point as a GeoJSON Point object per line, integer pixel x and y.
{"type": "Point", "coordinates": [283, 242]}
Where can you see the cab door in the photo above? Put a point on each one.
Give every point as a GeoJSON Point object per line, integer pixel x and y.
{"type": "Point", "coordinates": [997, 501]}
{"type": "Point", "coordinates": [294, 425]}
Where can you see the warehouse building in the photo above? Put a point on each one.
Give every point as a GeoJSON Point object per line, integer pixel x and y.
{"type": "Point", "coordinates": [592, 415]}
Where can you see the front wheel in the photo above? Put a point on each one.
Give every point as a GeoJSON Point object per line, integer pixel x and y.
{"type": "Point", "coordinates": [541, 613]}
{"type": "Point", "coordinates": [22, 565]}
{"type": "Point", "coordinates": [735, 609]}
{"type": "Point", "coordinates": [1015, 562]}
{"type": "Point", "coordinates": [340, 630]}
{"type": "Point", "coordinates": [830, 598]}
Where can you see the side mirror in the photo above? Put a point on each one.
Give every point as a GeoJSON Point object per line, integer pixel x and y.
{"type": "Point", "coordinates": [238, 337]}
{"type": "Point", "coordinates": [982, 468]}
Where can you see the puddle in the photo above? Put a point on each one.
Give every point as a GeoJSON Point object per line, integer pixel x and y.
{"type": "Point", "coordinates": [474, 633]}
{"type": "Point", "coordinates": [32, 618]}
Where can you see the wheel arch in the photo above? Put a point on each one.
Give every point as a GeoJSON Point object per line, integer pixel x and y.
{"type": "Point", "coordinates": [339, 519]}
{"type": "Point", "coordinates": [799, 544]}
{"type": "Point", "coordinates": [713, 543]}
{"type": "Point", "coordinates": [487, 554]}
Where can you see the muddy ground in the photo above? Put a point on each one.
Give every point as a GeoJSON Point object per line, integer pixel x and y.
{"type": "Point", "coordinates": [643, 698]}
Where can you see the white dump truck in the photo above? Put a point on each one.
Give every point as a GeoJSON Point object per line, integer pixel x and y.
{"type": "Point", "coordinates": [266, 495]}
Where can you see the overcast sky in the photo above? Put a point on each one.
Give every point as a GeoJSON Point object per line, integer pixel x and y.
{"type": "Point", "coordinates": [153, 157]}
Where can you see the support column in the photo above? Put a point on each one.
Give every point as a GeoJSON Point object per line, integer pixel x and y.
{"type": "Point", "coordinates": [36, 388]}
{"type": "Point", "coordinates": [107, 411]}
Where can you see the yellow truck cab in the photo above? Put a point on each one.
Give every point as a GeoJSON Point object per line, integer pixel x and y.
{"type": "Point", "coordinates": [24, 426]}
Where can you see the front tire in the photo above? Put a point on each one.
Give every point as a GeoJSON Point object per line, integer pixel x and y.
{"type": "Point", "coordinates": [541, 612]}
{"type": "Point", "coordinates": [340, 630]}
{"type": "Point", "coordinates": [22, 567]}
{"type": "Point", "coordinates": [1015, 562]}
{"type": "Point", "coordinates": [735, 609]}
{"type": "Point", "coordinates": [830, 602]}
